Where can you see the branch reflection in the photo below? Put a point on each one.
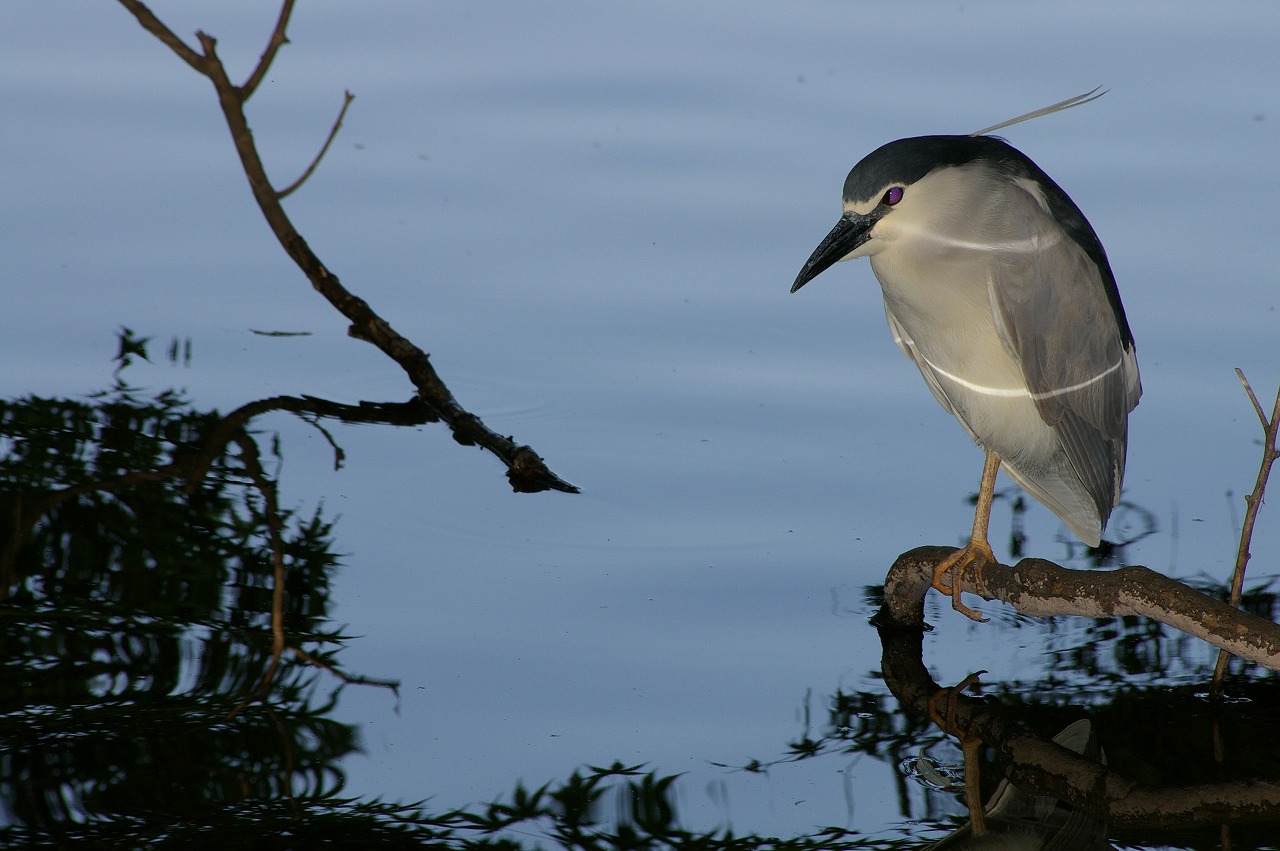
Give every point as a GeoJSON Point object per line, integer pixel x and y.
{"type": "Point", "coordinates": [1163, 775]}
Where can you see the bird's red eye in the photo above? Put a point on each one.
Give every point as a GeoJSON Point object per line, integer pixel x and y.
{"type": "Point", "coordinates": [893, 196]}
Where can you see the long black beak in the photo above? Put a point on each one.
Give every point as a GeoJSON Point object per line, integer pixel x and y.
{"type": "Point", "coordinates": [851, 231]}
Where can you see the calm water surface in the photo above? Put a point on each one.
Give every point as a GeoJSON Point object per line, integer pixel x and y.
{"type": "Point", "coordinates": [590, 214]}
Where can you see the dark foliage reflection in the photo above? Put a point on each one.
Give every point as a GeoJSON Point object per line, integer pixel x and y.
{"type": "Point", "coordinates": [136, 616]}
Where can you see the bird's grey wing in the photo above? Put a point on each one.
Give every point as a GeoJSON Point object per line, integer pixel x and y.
{"type": "Point", "coordinates": [1055, 315]}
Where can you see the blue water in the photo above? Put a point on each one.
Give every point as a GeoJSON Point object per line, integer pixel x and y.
{"type": "Point", "coordinates": [590, 215]}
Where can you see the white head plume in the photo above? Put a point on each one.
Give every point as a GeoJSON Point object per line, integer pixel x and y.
{"type": "Point", "coordinates": [1047, 110]}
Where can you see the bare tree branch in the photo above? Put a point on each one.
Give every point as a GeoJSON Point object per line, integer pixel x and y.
{"type": "Point", "coordinates": [526, 471]}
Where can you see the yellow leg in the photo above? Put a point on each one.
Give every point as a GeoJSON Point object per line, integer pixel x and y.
{"type": "Point", "coordinates": [977, 551]}
{"type": "Point", "coordinates": [969, 744]}
{"type": "Point", "coordinates": [973, 787]}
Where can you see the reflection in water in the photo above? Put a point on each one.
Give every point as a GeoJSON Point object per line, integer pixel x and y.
{"type": "Point", "coordinates": [1129, 524]}
{"type": "Point", "coordinates": [1015, 819]}
{"type": "Point", "coordinates": [140, 598]}
{"type": "Point", "coordinates": [1182, 769]}
{"type": "Point", "coordinates": [137, 620]}
{"type": "Point", "coordinates": [137, 617]}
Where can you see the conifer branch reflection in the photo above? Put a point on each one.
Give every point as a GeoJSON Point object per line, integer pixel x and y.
{"type": "Point", "coordinates": [191, 464]}
{"type": "Point", "coordinates": [135, 607]}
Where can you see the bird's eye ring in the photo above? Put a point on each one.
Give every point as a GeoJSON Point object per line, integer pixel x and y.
{"type": "Point", "coordinates": [892, 196]}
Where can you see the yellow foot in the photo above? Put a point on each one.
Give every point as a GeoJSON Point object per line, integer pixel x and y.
{"type": "Point", "coordinates": [977, 552]}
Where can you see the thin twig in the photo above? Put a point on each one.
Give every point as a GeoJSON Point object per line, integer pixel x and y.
{"type": "Point", "coordinates": [1257, 407]}
{"type": "Point", "coordinates": [393, 685]}
{"type": "Point", "coordinates": [278, 40]}
{"type": "Point", "coordinates": [1270, 428]}
{"type": "Point", "coordinates": [347, 97]}
{"type": "Point", "coordinates": [1270, 431]}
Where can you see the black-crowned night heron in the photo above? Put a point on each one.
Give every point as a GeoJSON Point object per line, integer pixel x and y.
{"type": "Point", "coordinates": [998, 289]}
